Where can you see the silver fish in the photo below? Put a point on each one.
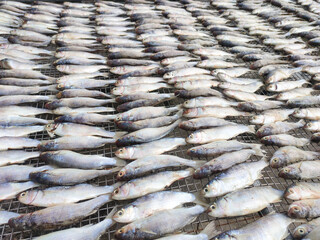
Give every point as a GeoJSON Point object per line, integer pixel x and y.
{"type": "Point", "coordinates": [301, 170]}
{"type": "Point", "coordinates": [278, 128]}
{"type": "Point", "coordinates": [18, 173]}
{"type": "Point", "coordinates": [6, 215]}
{"type": "Point", "coordinates": [17, 131]}
{"type": "Point", "coordinates": [16, 156]}
{"type": "Point", "coordinates": [237, 177]}
{"type": "Point", "coordinates": [302, 190]}
{"type": "Point", "coordinates": [17, 143]}
{"type": "Point", "coordinates": [308, 208]}
{"type": "Point", "coordinates": [85, 118]}
{"type": "Point", "coordinates": [10, 190]}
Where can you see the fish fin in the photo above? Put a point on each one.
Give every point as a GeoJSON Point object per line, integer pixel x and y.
{"type": "Point", "coordinates": [51, 97]}
{"type": "Point", "coordinates": [252, 129]}
{"type": "Point", "coordinates": [210, 230]}
{"type": "Point", "coordinates": [258, 152]}
{"type": "Point", "coordinates": [185, 173]}
{"type": "Point", "coordinates": [302, 122]}
{"type": "Point", "coordinates": [52, 88]}
{"type": "Point", "coordinates": [120, 162]}
{"type": "Point", "coordinates": [179, 114]}
{"type": "Point", "coordinates": [119, 135]}
{"type": "Point", "coordinates": [197, 164]}
{"type": "Point", "coordinates": [257, 147]}
{"type": "Point", "coordinates": [178, 107]}
{"type": "Point", "coordinates": [110, 214]}
{"type": "Point", "coordinates": [199, 199]}
{"type": "Point", "coordinates": [272, 96]}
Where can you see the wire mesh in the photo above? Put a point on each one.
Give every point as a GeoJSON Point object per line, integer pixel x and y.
{"type": "Point", "coordinates": [270, 175]}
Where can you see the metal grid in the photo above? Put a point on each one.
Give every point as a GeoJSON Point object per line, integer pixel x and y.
{"type": "Point", "coordinates": [189, 184]}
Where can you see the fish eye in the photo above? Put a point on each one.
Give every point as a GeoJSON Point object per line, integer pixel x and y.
{"type": "Point", "coordinates": [301, 231]}
{"type": "Point", "coordinates": [121, 150]}
{"type": "Point", "coordinates": [286, 170]}
{"type": "Point", "coordinates": [121, 173]}
{"type": "Point", "coordinates": [206, 190]}
{"type": "Point", "coordinates": [120, 213]}
{"type": "Point", "coordinates": [296, 209]}
{"type": "Point", "coordinates": [120, 231]}
{"type": "Point", "coordinates": [23, 194]}
{"type": "Point", "coordinates": [191, 136]}
{"type": "Point", "coordinates": [116, 191]}
{"type": "Point", "coordinates": [213, 206]}
{"type": "Point", "coordinates": [275, 160]}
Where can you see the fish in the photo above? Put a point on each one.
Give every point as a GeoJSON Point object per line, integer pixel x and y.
{"type": "Point", "coordinates": [17, 73]}
{"type": "Point", "coordinates": [195, 84]}
{"type": "Point", "coordinates": [273, 226]}
{"type": "Point", "coordinates": [232, 72]}
{"type": "Point", "coordinates": [60, 195]}
{"type": "Point", "coordinates": [235, 178]}
{"type": "Point", "coordinates": [185, 72]}
{"type": "Point", "coordinates": [137, 88]}
{"type": "Point", "coordinates": [27, 49]}
{"type": "Point", "coordinates": [23, 82]}
{"type": "Point", "coordinates": [216, 64]}
{"type": "Point", "coordinates": [73, 143]}
{"type": "Point", "coordinates": [286, 85]}
{"type": "Point", "coordinates": [19, 131]}
{"type": "Point", "coordinates": [145, 113]}
{"type": "Point", "coordinates": [10, 190]}
{"type": "Point", "coordinates": [244, 202]}
{"type": "Point", "coordinates": [303, 230]}
{"type": "Point", "coordinates": [139, 103]}
{"type": "Point", "coordinates": [18, 99]}
{"type": "Point", "coordinates": [18, 173]}
{"type": "Point", "coordinates": [17, 143]}
{"type": "Point", "coordinates": [208, 101]}
{"type": "Point", "coordinates": [23, 111]}
{"type": "Point", "coordinates": [199, 92]}
{"type": "Point", "coordinates": [93, 232]}
{"type": "Point", "coordinates": [142, 165]}
{"type": "Point", "coordinates": [259, 105]}
{"type": "Point", "coordinates": [8, 63]}
{"type": "Point", "coordinates": [240, 81]}
{"type": "Point", "coordinates": [138, 80]}
{"type": "Point", "coordinates": [280, 74]}
{"type": "Point", "coordinates": [300, 170]}
{"type": "Point", "coordinates": [307, 113]}
{"type": "Point", "coordinates": [17, 90]}
{"type": "Point", "coordinates": [78, 61]}
{"type": "Point", "coordinates": [272, 116]}
{"type": "Point", "coordinates": [219, 133]}
{"type": "Point", "coordinates": [159, 224]}
{"type": "Point", "coordinates": [204, 122]}
{"type": "Point", "coordinates": [149, 184]}
{"type": "Point", "coordinates": [295, 93]}
{"type": "Point", "coordinates": [302, 190]}
{"type": "Point", "coordinates": [245, 96]}
{"type": "Point", "coordinates": [308, 208]}
{"type": "Point", "coordinates": [290, 154]}
{"type": "Point", "coordinates": [57, 216]}
{"type": "Point", "coordinates": [146, 135]}
{"type": "Point", "coordinates": [315, 137]}
{"type": "Point", "coordinates": [67, 176]}
{"type": "Point", "coordinates": [67, 110]}
{"type": "Point", "coordinates": [16, 156]}
{"type": "Point", "coordinates": [251, 87]}
{"type": "Point", "coordinates": [6, 215]}
{"type": "Point", "coordinates": [217, 148]}
{"type": "Point", "coordinates": [225, 161]}
{"type": "Point", "coordinates": [71, 93]}
{"type": "Point", "coordinates": [71, 69]}
{"type": "Point", "coordinates": [82, 83]}
{"type": "Point", "coordinates": [70, 159]}
{"type": "Point", "coordinates": [279, 127]}
{"type": "Point", "coordinates": [85, 118]}
{"type": "Point", "coordinates": [217, 112]}
{"type": "Point", "coordinates": [142, 95]}
{"type": "Point", "coordinates": [284, 140]}
{"type": "Point", "coordinates": [72, 129]}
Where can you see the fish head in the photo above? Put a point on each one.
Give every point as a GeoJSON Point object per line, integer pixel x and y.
{"type": "Point", "coordinates": [168, 75]}
{"type": "Point", "coordinates": [293, 192]}
{"type": "Point", "coordinates": [268, 140]}
{"type": "Point", "coordinates": [51, 127]}
{"type": "Point", "coordinates": [298, 210]}
{"type": "Point", "coordinates": [277, 161]}
{"type": "Point", "coordinates": [121, 192]}
{"type": "Point", "coordinates": [191, 112]}
{"type": "Point", "coordinates": [302, 230]}
{"type": "Point", "coordinates": [61, 68]}
{"type": "Point", "coordinates": [123, 174]}
{"type": "Point", "coordinates": [214, 211]}
{"type": "Point", "coordinates": [61, 86]}
{"type": "Point", "coordinates": [299, 113]}
{"type": "Point", "coordinates": [289, 172]}
{"type": "Point", "coordinates": [117, 90]}
{"type": "Point", "coordinates": [272, 87]}
{"type": "Point", "coordinates": [125, 125]}
{"type": "Point", "coordinates": [258, 119]}
{"type": "Point", "coordinates": [224, 236]}
{"type": "Point", "coordinates": [209, 189]}
{"type": "Point", "coordinates": [311, 126]}
{"type": "Point", "coordinates": [20, 222]}
{"type": "Point", "coordinates": [125, 152]}
{"type": "Point", "coordinates": [191, 103]}
{"type": "Point", "coordinates": [28, 197]}
{"type": "Point", "coordinates": [126, 232]}
{"type": "Point", "coordinates": [181, 93]}
{"type": "Point", "coordinates": [203, 171]}
{"type": "Point", "coordinates": [125, 215]}
{"type": "Point", "coordinates": [195, 137]}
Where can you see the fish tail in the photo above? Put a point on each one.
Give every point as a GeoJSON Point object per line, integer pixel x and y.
{"type": "Point", "coordinates": [51, 97]}
{"type": "Point", "coordinates": [301, 123]}
{"type": "Point", "coordinates": [176, 108]}
{"type": "Point", "coordinates": [185, 173]}
{"type": "Point", "coordinates": [272, 96]}
{"type": "Point", "coordinates": [120, 162]}
{"type": "Point", "coordinates": [258, 152]}
{"type": "Point", "coordinates": [199, 199]}
{"type": "Point", "coordinates": [111, 81]}
{"type": "Point", "coordinates": [117, 184]}
{"type": "Point", "coordinates": [257, 148]}
{"type": "Point", "coordinates": [179, 114]}
{"type": "Point", "coordinates": [252, 129]}
{"type": "Point", "coordinates": [46, 66]}
{"type": "Point", "coordinates": [210, 230]}
{"type": "Point", "coordinates": [52, 88]}
{"type": "Point", "coordinates": [197, 164]}
{"type": "Point", "coordinates": [119, 135]}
